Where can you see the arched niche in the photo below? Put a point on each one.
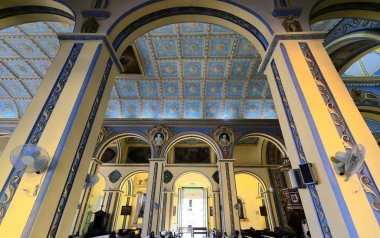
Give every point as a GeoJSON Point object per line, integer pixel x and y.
{"type": "Point", "coordinates": [126, 148]}
{"type": "Point", "coordinates": [191, 148]}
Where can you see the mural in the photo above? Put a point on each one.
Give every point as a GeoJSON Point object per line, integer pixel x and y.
{"type": "Point", "coordinates": [192, 155]}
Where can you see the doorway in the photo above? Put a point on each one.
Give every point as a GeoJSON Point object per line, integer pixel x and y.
{"type": "Point", "coordinates": [192, 207]}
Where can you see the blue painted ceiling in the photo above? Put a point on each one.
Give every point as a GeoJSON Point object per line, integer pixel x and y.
{"type": "Point", "coordinates": [26, 52]}
{"type": "Point", "coordinates": [193, 70]}
{"type": "Point", "coordinates": [367, 66]}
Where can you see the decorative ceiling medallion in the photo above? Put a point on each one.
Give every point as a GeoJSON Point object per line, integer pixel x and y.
{"type": "Point", "coordinates": [225, 137]}
{"type": "Point", "coordinates": [114, 176]}
{"type": "Point", "coordinates": [158, 135]}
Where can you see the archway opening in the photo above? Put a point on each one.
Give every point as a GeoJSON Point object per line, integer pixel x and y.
{"type": "Point", "coordinates": [252, 205]}
{"type": "Point", "coordinates": [132, 203]}
{"type": "Point", "coordinates": [192, 211]}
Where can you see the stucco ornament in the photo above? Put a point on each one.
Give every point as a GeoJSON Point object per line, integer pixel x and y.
{"type": "Point", "coordinates": [114, 176]}
{"type": "Point", "coordinates": [158, 135]}
{"type": "Point", "coordinates": [225, 137]}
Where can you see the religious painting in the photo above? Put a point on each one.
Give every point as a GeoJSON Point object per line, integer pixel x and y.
{"type": "Point", "coordinates": [138, 154]}
{"type": "Point", "coordinates": [192, 155]}
{"type": "Point", "coordinates": [126, 210]}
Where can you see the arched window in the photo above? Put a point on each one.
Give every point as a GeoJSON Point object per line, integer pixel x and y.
{"type": "Point", "coordinates": [241, 208]}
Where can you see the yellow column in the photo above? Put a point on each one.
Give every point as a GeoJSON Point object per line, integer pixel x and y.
{"type": "Point", "coordinates": [216, 210]}
{"type": "Point", "coordinates": [64, 118]}
{"type": "Point", "coordinates": [153, 195]}
{"type": "Point", "coordinates": [166, 204]}
{"type": "Point", "coordinates": [228, 196]}
{"type": "Point", "coordinates": [112, 206]}
{"type": "Point", "coordinates": [78, 224]}
{"type": "Point", "coordinates": [318, 118]}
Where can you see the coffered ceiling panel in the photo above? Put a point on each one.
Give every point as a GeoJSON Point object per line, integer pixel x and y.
{"type": "Point", "coordinates": [193, 70]}
{"type": "Point", "coordinates": [26, 52]}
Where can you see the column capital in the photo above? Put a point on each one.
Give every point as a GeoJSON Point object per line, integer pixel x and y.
{"type": "Point", "coordinates": [288, 36]}
{"type": "Point", "coordinates": [157, 159]}
{"type": "Point", "coordinates": [86, 37]}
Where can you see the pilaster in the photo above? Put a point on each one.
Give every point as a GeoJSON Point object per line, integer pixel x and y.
{"type": "Point", "coordinates": [318, 118]}
{"type": "Point", "coordinates": [153, 195]}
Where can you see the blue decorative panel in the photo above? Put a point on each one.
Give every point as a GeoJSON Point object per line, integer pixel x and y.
{"type": "Point", "coordinates": [256, 89]}
{"type": "Point", "coordinates": [152, 109]}
{"type": "Point", "coordinates": [365, 95]}
{"type": "Point", "coordinates": [245, 48]}
{"type": "Point", "coordinates": [172, 109]}
{"type": "Point", "coordinates": [21, 69]}
{"type": "Point", "coordinates": [3, 93]}
{"type": "Point", "coordinates": [220, 47]}
{"type": "Point", "coordinates": [15, 89]}
{"type": "Point", "coordinates": [4, 72]}
{"type": "Point", "coordinates": [41, 67]}
{"type": "Point", "coordinates": [22, 105]}
{"type": "Point", "coordinates": [127, 88]}
{"type": "Point", "coordinates": [252, 109]}
{"type": "Point", "coordinates": [113, 109]}
{"type": "Point", "coordinates": [131, 109]}
{"type": "Point", "coordinates": [269, 109]}
{"type": "Point", "coordinates": [240, 69]}
{"type": "Point", "coordinates": [6, 51]}
{"type": "Point", "coordinates": [165, 48]}
{"type": "Point", "coordinates": [50, 46]}
{"type": "Point", "coordinates": [8, 109]}
{"type": "Point", "coordinates": [10, 30]}
{"type": "Point", "coordinates": [62, 27]}
{"type": "Point", "coordinates": [114, 93]}
{"type": "Point", "coordinates": [192, 69]}
{"type": "Point", "coordinates": [169, 69]}
{"type": "Point", "coordinates": [171, 89]}
{"type": "Point", "coordinates": [192, 89]}
{"type": "Point", "coordinates": [235, 88]}
{"type": "Point", "coordinates": [26, 48]}
{"type": "Point", "coordinates": [193, 110]}
{"type": "Point", "coordinates": [35, 27]}
{"type": "Point", "coordinates": [232, 109]}
{"type": "Point", "coordinates": [32, 85]}
{"type": "Point", "coordinates": [193, 27]}
{"type": "Point", "coordinates": [220, 29]}
{"type": "Point", "coordinates": [216, 69]}
{"type": "Point", "coordinates": [373, 125]}
{"type": "Point", "coordinates": [213, 109]}
{"type": "Point", "coordinates": [145, 57]}
{"type": "Point", "coordinates": [114, 176]}
{"type": "Point", "coordinates": [149, 89]}
{"type": "Point", "coordinates": [168, 29]}
{"type": "Point", "coordinates": [193, 47]}
{"type": "Point", "coordinates": [214, 89]}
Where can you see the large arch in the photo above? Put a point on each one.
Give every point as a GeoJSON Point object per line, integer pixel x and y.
{"type": "Point", "coordinates": [328, 9]}
{"type": "Point", "coordinates": [24, 11]}
{"type": "Point", "coordinates": [118, 135]}
{"type": "Point", "coordinates": [280, 145]}
{"type": "Point", "coordinates": [158, 13]}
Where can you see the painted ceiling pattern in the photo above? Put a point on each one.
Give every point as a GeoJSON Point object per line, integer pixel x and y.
{"type": "Point", "coordinates": [26, 53]}
{"type": "Point", "coordinates": [367, 66]}
{"type": "Point", "coordinates": [193, 70]}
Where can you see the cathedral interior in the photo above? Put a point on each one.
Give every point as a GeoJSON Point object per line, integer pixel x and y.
{"type": "Point", "coordinates": [187, 118]}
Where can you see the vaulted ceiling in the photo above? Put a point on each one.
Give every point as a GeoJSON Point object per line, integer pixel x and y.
{"type": "Point", "coordinates": [193, 70]}
{"type": "Point", "coordinates": [26, 53]}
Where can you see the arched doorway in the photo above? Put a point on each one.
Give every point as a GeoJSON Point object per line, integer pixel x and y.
{"type": "Point", "coordinates": [193, 209]}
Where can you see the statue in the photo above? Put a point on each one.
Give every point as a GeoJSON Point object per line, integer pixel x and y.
{"type": "Point", "coordinates": [291, 25]}
{"type": "Point", "coordinates": [90, 26]}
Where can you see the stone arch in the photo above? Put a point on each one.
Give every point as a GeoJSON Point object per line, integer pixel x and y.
{"type": "Point", "coordinates": [157, 13]}
{"type": "Point", "coordinates": [118, 135]}
{"type": "Point", "coordinates": [265, 186]}
{"type": "Point", "coordinates": [128, 176]}
{"type": "Point", "coordinates": [25, 11]}
{"type": "Point", "coordinates": [191, 134]}
{"type": "Point", "coordinates": [280, 145]}
{"type": "Point", "coordinates": [328, 9]}
{"type": "Point", "coordinates": [209, 179]}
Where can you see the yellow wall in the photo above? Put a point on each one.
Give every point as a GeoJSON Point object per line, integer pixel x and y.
{"type": "Point", "coordinates": [247, 154]}
{"type": "Point", "coordinates": [247, 188]}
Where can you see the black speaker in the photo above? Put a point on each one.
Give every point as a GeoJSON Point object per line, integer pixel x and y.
{"type": "Point", "coordinates": [263, 211]}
